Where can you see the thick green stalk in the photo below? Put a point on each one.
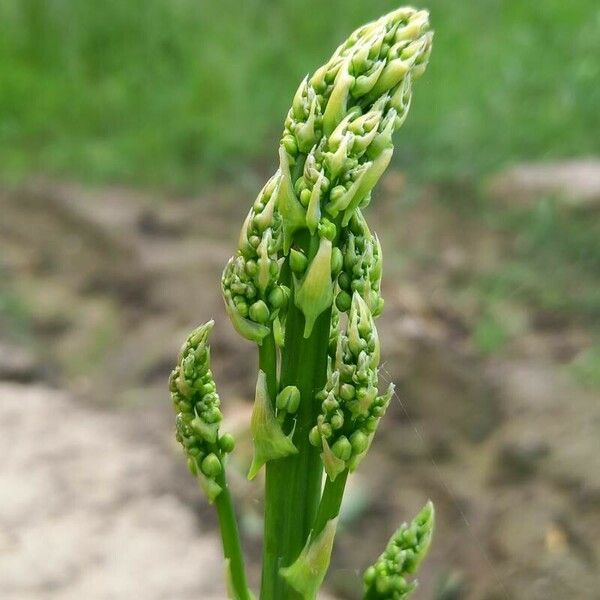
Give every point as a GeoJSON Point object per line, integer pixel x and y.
{"type": "Point", "coordinates": [232, 548]}
{"type": "Point", "coordinates": [331, 501]}
{"type": "Point", "coordinates": [267, 363]}
{"type": "Point", "coordinates": [293, 484]}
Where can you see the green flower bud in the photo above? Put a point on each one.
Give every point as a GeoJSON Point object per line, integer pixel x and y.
{"type": "Point", "coordinates": [342, 448]}
{"type": "Point", "coordinates": [334, 207]}
{"type": "Point", "coordinates": [336, 194]}
{"type": "Point", "coordinates": [298, 101]}
{"type": "Point", "coordinates": [359, 441]}
{"type": "Point", "coordinates": [337, 261]}
{"type": "Point", "coordinates": [304, 197]}
{"type": "Point", "coordinates": [251, 330]}
{"type": "Point", "coordinates": [344, 282]}
{"type": "Point", "coordinates": [365, 83]}
{"type": "Point", "coordinates": [227, 443]}
{"type": "Point", "coordinates": [289, 143]}
{"type": "Point", "coordinates": [336, 161]}
{"type": "Point", "coordinates": [298, 261]}
{"type": "Point", "coordinates": [288, 399]}
{"type": "Point", "coordinates": [325, 430]}
{"type": "Point", "coordinates": [343, 301]}
{"type": "Point", "coordinates": [306, 135]}
{"type": "Point", "coordinates": [327, 230]}
{"type": "Point", "coordinates": [277, 297]}
{"type": "Point", "coordinates": [330, 403]}
{"type": "Point", "coordinates": [347, 392]}
{"type": "Point", "coordinates": [337, 421]}
{"type": "Point", "coordinates": [314, 437]}
{"type": "Point", "coordinates": [259, 312]}
{"type": "Point", "coordinates": [211, 466]}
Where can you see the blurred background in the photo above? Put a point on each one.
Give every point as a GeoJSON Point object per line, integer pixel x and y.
{"type": "Point", "coordinates": [134, 134]}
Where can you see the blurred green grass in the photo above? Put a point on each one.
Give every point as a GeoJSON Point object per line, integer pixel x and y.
{"type": "Point", "coordinates": [174, 93]}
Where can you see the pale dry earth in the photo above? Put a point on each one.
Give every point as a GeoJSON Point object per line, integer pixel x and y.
{"type": "Point", "coordinates": [94, 499]}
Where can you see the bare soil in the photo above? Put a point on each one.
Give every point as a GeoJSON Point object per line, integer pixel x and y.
{"type": "Point", "coordinates": [94, 500]}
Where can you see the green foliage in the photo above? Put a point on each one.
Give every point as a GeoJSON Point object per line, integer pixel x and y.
{"type": "Point", "coordinates": [156, 92]}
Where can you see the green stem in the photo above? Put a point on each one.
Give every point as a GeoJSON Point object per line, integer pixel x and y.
{"type": "Point", "coordinates": [331, 501]}
{"type": "Point", "coordinates": [293, 484]}
{"type": "Point", "coordinates": [267, 363]}
{"type": "Point", "coordinates": [232, 548]}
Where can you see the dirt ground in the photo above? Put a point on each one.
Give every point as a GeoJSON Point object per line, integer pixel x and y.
{"type": "Point", "coordinates": [94, 498]}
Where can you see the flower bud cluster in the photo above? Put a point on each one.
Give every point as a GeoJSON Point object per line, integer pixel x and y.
{"type": "Point", "coordinates": [350, 404]}
{"type": "Point", "coordinates": [196, 404]}
{"type": "Point", "coordinates": [386, 579]}
{"type": "Point", "coordinates": [334, 339]}
{"type": "Point", "coordinates": [253, 296]}
{"type": "Point", "coordinates": [362, 266]}
{"type": "Point", "coordinates": [340, 125]}
{"type": "Point", "coordinates": [336, 144]}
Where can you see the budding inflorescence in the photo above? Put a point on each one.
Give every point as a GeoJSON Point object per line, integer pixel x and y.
{"type": "Point", "coordinates": [336, 144]}
{"type": "Point", "coordinates": [305, 285]}
{"type": "Point", "coordinates": [351, 406]}
{"type": "Point", "coordinates": [386, 579]}
{"type": "Point", "coordinates": [196, 403]}
{"type": "Point", "coordinates": [362, 265]}
{"type": "Point", "coordinates": [250, 282]}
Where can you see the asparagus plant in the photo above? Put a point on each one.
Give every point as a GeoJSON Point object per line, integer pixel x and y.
{"type": "Point", "coordinates": [305, 286]}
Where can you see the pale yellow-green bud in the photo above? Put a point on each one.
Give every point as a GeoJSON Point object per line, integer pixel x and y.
{"type": "Point", "coordinates": [288, 399]}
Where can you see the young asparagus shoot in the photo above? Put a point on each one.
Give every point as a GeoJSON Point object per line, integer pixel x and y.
{"type": "Point", "coordinates": [196, 404]}
{"type": "Point", "coordinates": [386, 579]}
{"type": "Point", "coordinates": [304, 284]}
